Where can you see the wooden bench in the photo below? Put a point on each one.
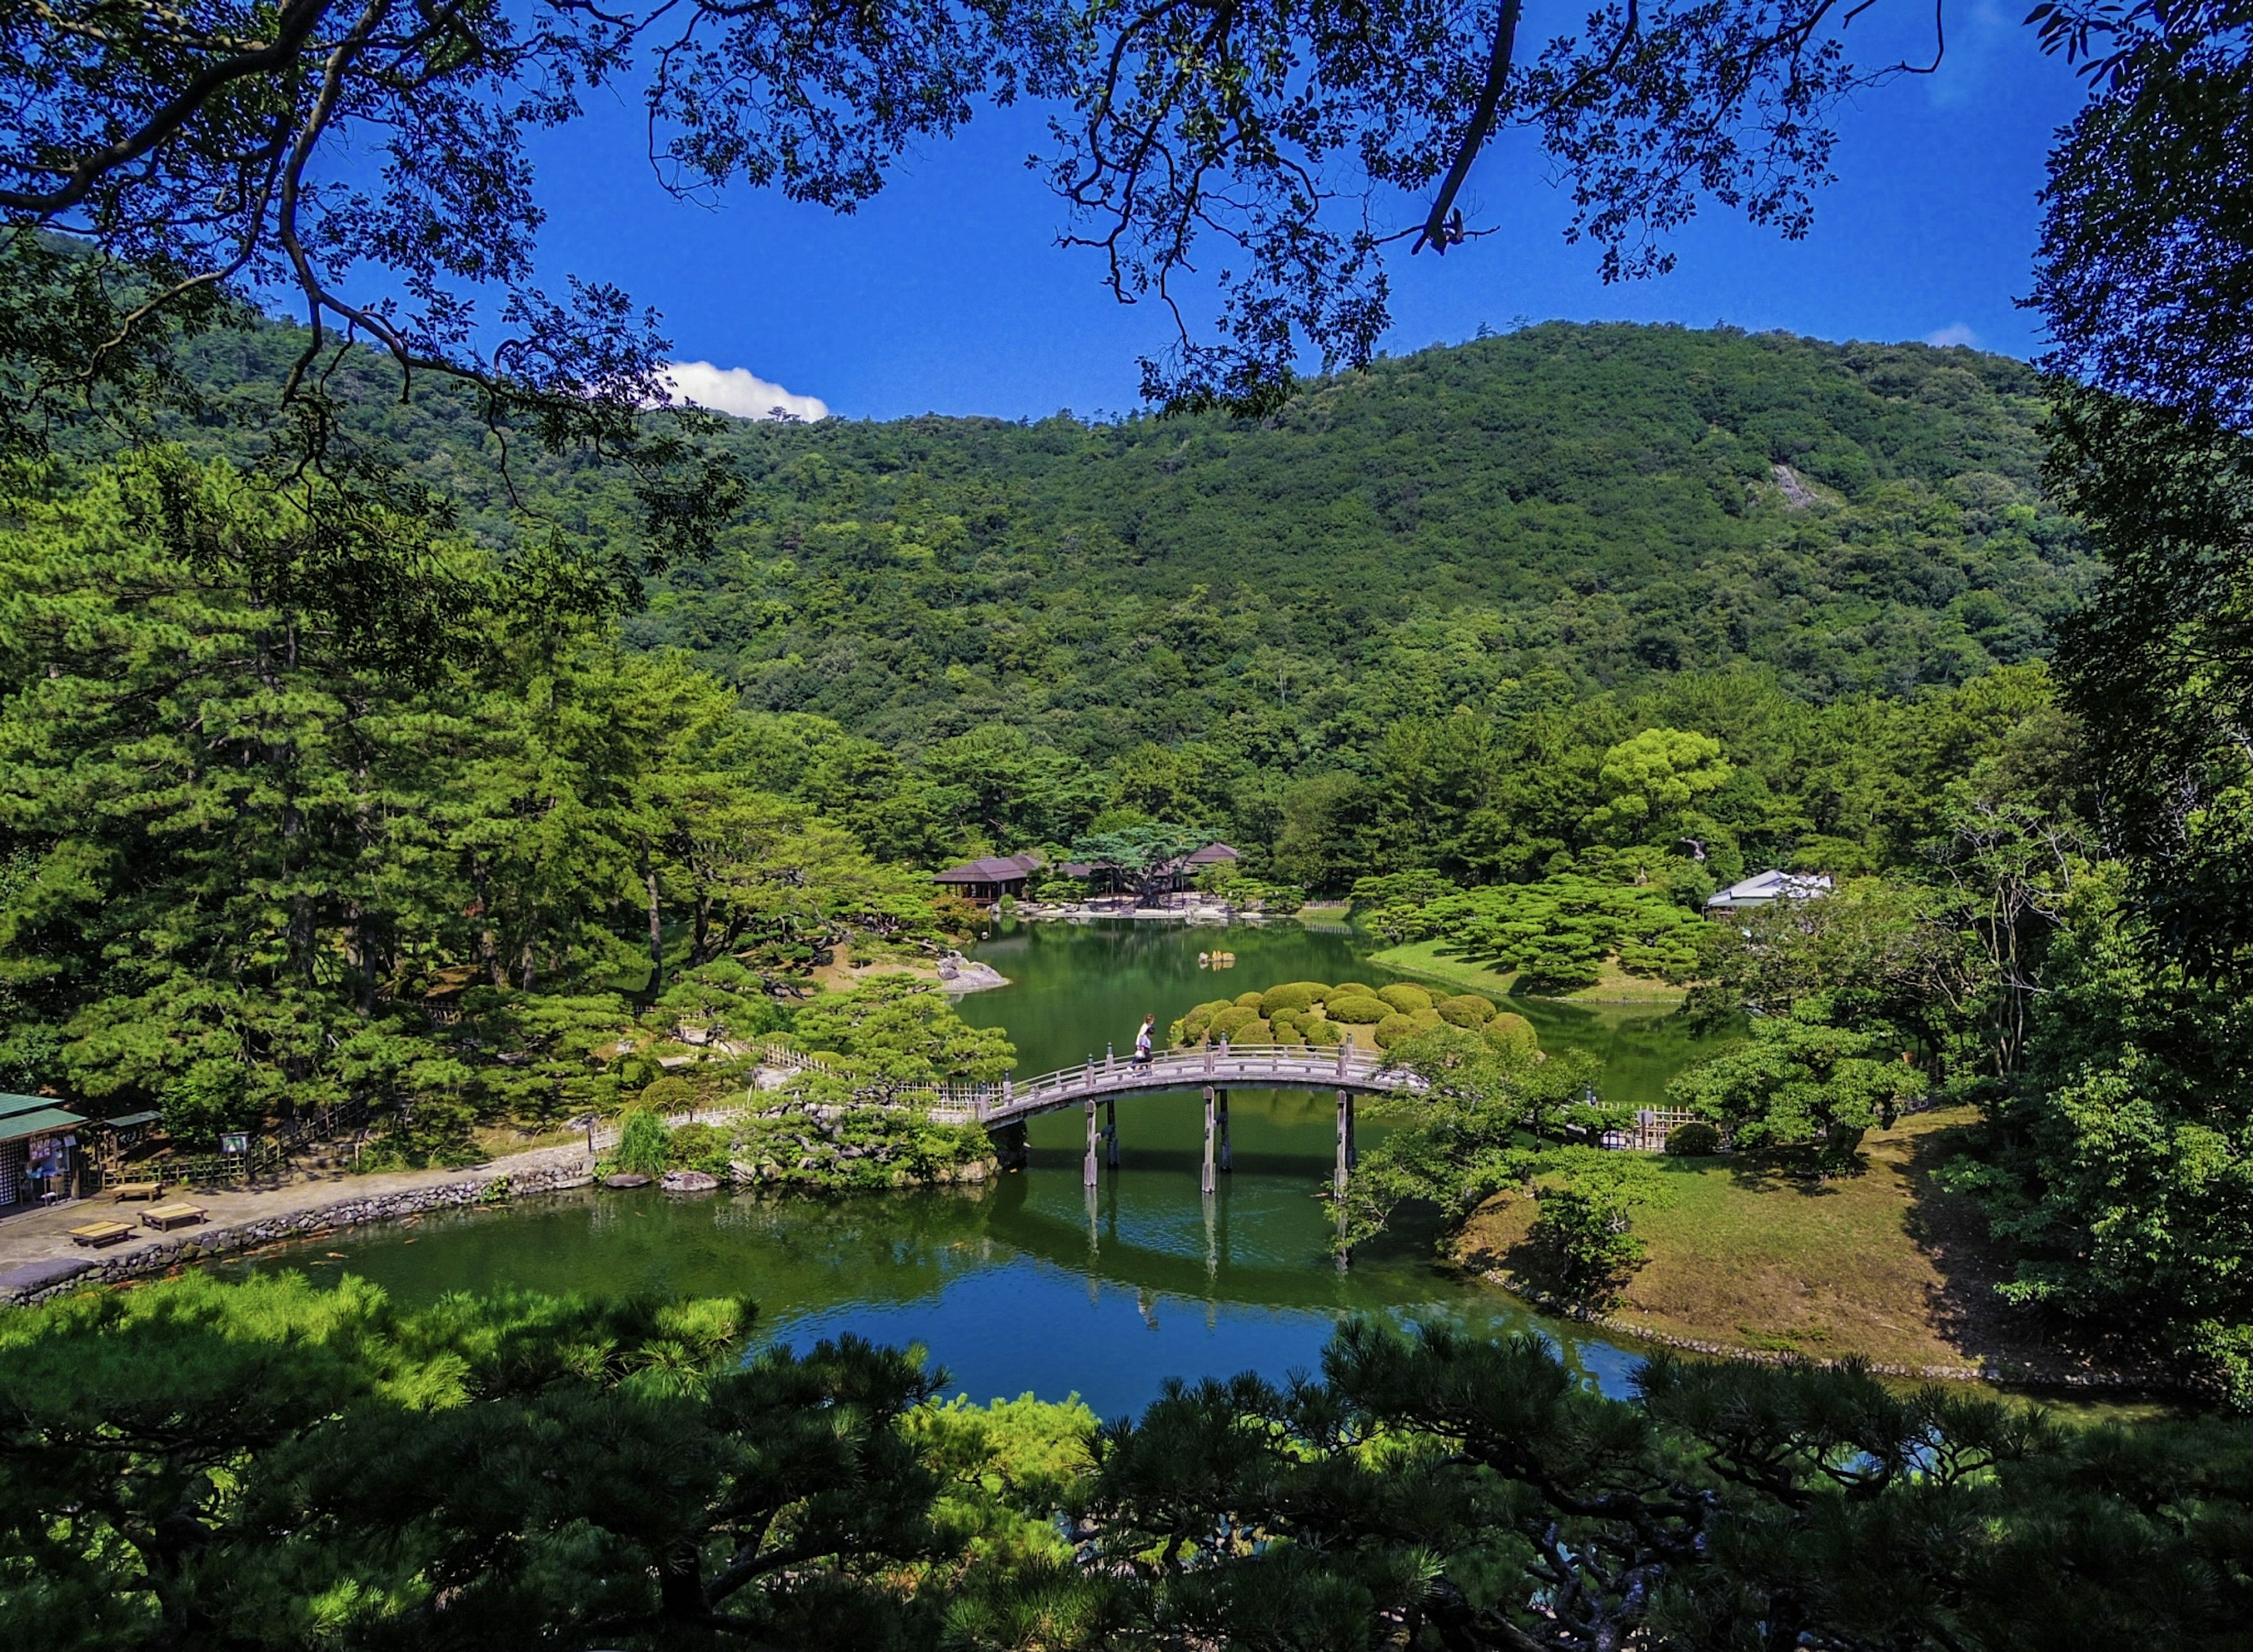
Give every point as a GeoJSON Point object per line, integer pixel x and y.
{"type": "Point", "coordinates": [178, 1215]}
{"type": "Point", "coordinates": [136, 1190]}
{"type": "Point", "coordinates": [98, 1233]}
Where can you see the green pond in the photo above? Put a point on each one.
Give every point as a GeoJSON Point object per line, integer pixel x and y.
{"type": "Point", "coordinates": [1039, 1284]}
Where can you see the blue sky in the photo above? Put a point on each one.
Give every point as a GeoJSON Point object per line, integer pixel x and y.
{"type": "Point", "coordinates": [948, 294]}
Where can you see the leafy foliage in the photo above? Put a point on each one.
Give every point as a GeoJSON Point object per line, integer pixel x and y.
{"type": "Point", "coordinates": [1800, 1081]}
{"type": "Point", "coordinates": [255, 874]}
{"type": "Point", "coordinates": [1558, 934]}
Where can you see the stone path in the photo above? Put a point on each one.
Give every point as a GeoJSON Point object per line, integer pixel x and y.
{"type": "Point", "coordinates": [36, 1246]}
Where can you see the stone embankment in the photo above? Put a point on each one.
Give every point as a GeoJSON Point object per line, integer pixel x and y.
{"type": "Point", "coordinates": [36, 1282]}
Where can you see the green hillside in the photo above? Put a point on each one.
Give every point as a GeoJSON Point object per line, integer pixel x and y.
{"type": "Point", "coordinates": [1599, 505]}
{"type": "Point", "coordinates": [971, 634]}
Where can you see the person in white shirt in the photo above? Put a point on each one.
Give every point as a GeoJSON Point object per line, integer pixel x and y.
{"type": "Point", "coordinates": [1142, 1040]}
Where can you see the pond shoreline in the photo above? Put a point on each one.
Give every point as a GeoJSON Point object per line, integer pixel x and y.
{"type": "Point", "coordinates": [39, 1279]}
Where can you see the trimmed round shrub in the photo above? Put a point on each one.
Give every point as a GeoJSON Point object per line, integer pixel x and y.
{"type": "Point", "coordinates": [1250, 1001]}
{"type": "Point", "coordinates": [1353, 989]}
{"type": "Point", "coordinates": [1694, 1140]}
{"type": "Point", "coordinates": [1287, 1034]}
{"type": "Point", "coordinates": [1283, 1019]}
{"type": "Point", "coordinates": [1254, 1032]}
{"type": "Point", "coordinates": [1468, 1010]}
{"type": "Point", "coordinates": [1406, 998]}
{"type": "Point", "coordinates": [1358, 1012]}
{"type": "Point", "coordinates": [1394, 1027]}
{"type": "Point", "coordinates": [1231, 1022]}
{"type": "Point", "coordinates": [1511, 1031]}
{"type": "Point", "coordinates": [668, 1094]}
{"type": "Point", "coordinates": [1322, 1033]}
{"type": "Point", "coordinates": [1292, 995]}
{"type": "Point", "coordinates": [1191, 1026]}
{"type": "Point", "coordinates": [1425, 1019]}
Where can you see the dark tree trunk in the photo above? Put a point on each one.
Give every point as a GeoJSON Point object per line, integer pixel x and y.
{"type": "Point", "coordinates": [656, 925]}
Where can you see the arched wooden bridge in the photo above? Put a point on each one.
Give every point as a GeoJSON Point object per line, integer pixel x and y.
{"type": "Point", "coordinates": [1215, 1069]}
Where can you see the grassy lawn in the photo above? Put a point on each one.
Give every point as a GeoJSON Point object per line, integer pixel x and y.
{"type": "Point", "coordinates": [1325, 911]}
{"type": "Point", "coordinates": [1883, 1265]}
{"type": "Point", "coordinates": [1423, 960]}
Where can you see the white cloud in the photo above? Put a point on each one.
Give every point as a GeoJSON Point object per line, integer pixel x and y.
{"type": "Point", "coordinates": [739, 391]}
{"type": "Point", "coordinates": [1956, 334]}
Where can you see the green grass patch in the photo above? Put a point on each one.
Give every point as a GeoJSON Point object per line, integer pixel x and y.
{"type": "Point", "coordinates": [1426, 960]}
{"type": "Point", "coordinates": [1885, 1264]}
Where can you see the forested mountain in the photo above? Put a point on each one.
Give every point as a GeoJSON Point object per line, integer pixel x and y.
{"type": "Point", "coordinates": [978, 634]}
{"type": "Point", "coordinates": [1540, 516]}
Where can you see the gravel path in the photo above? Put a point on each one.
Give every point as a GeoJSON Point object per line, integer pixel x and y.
{"type": "Point", "coordinates": [35, 1243]}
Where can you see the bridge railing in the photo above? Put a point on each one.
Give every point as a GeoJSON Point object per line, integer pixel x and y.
{"type": "Point", "coordinates": [1293, 1066]}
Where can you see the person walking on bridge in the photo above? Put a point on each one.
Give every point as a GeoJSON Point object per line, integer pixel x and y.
{"type": "Point", "coordinates": [1142, 1040]}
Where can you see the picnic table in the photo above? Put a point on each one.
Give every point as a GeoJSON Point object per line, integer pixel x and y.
{"type": "Point", "coordinates": [98, 1233]}
{"type": "Point", "coordinates": [136, 1190]}
{"type": "Point", "coordinates": [178, 1214]}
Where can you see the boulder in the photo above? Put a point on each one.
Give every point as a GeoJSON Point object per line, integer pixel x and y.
{"type": "Point", "coordinates": [689, 1181]}
{"type": "Point", "coordinates": [627, 1179]}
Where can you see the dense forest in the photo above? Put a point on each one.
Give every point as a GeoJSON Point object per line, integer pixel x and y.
{"type": "Point", "coordinates": [975, 635]}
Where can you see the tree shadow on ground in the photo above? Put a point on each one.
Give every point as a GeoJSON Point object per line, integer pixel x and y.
{"type": "Point", "coordinates": [1781, 1173]}
{"type": "Point", "coordinates": [1965, 1305]}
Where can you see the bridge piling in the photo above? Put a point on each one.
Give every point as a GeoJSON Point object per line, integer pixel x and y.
{"type": "Point", "coordinates": [1345, 1157]}
{"type": "Point", "coordinates": [1111, 1133]}
{"type": "Point", "coordinates": [1209, 1185]}
{"type": "Point", "coordinates": [1088, 1178]}
{"type": "Point", "coordinates": [1224, 1165]}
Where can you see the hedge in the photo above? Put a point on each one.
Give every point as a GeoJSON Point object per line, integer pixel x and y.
{"type": "Point", "coordinates": [1230, 1023]}
{"type": "Point", "coordinates": [1406, 998]}
{"type": "Point", "coordinates": [1694, 1140]}
{"type": "Point", "coordinates": [1250, 1001]}
{"type": "Point", "coordinates": [1292, 995]}
{"type": "Point", "coordinates": [1353, 989]}
{"type": "Point", "coordinates": [1468, 1010]}
{"type": "Point", "coordinates": [1357, 1012]}
{"type": "Point", "coordinates": [1511, 1031]}
{"type": "Point", "coordinates": [1394, 1027]}
{"type": "Point", "coordinates": [1325, 1034]}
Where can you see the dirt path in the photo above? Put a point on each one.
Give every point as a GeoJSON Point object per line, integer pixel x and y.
{"type": "Point", "coordinates": [37, 1242]}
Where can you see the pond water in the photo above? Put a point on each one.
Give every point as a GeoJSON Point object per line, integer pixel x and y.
{"type": "Point", "coordinates": [1039, 1286]}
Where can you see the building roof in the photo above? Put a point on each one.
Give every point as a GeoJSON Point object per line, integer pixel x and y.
{"type": "Point", "coordinates": [995, 868]}
{"type": "Point", "coordinates": [45, 1122]}
{"type": "Point", "coordinates": [1213, 854]}
{"type": "Point", "coordinates": [1772, 885]}
{"type": "Point", "coordinates": [130, 1120]}
{"type": "Point", "coordinates": [10, 1105]}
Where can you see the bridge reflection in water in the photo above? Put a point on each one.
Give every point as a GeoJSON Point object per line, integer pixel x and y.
{"type": "Point", "coordinates": [1216, 1069]}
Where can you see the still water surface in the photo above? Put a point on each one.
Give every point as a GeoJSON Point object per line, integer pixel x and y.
{"type": "Point", "coordinates": [1037, 1285]}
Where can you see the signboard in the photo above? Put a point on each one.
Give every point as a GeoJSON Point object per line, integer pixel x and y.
{"type": "Point", "coordinates": [234, 1141]}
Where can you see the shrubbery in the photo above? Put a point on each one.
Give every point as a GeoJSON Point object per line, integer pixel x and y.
{"type": "Point", "coordinates": [1404, 997]}
{"type": "Point", "coordinates": [1694, 1140]}
{"type": "Point", "coordinates": [1466, 1010]}
{"type": "Point", "coordinates": [1509, 1030]}
{"type": "Point", "coordinates": [1357, 1011]}
{"type": "Point", "coordinates": [644, 1145]}
{"type": "Point", "coordinates": [1309, 1014]}
{"type": "Point", "coordinates": [1293, 996]}
{"type": "Point", "coordinates": [1393, 1029]}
